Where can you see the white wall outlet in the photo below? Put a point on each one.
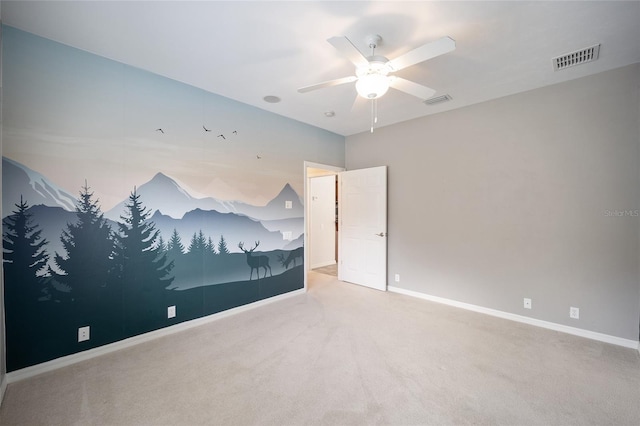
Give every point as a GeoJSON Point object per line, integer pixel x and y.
{"type": "Point", "coordinates": [397, 278]}
{"type": "Point", "coordinates": [574, 313]}
{"type": "Point", "coordinates": [527, 303]}
{"type": "Point", "coordinates": [286, 235]}
{"type": "Point", "coordinates": [83, 333]}
{"type": "Point", "coordinates": [171, 312]}
{"type": "Point", "coordinates": [288, 204]}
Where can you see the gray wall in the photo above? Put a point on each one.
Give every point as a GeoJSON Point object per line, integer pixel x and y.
{"type": "Point", "coordinates": [531, 195]}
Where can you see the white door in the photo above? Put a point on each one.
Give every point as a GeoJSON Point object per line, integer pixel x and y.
{"type": "Point", "coordinates": [363, 227]}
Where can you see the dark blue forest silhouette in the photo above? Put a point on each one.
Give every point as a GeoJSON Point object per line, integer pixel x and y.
{"type": "Point", "coordinates": [69, 269]}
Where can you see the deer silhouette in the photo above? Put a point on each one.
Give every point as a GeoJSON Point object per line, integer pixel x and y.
{"type": "Point", "coordinates": [293, 255]}
{"type": "Point", "coordinates": [256, 262]}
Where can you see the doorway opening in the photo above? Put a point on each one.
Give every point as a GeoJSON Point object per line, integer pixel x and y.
{"type": "Point", "coordinates": [321, 218]}
{"type": "Point", "coordinates": [362, 232]}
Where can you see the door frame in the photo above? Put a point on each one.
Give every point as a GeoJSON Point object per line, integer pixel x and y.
{"type": "Point", "coordinates": [331, 170]}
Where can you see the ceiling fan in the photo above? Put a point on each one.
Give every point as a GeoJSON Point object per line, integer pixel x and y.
{"type": "Point", "coordinates": [373, 73]}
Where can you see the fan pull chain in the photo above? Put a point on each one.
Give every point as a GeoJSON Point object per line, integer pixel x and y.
{"type": "Point", "coordinates": [372, 101]}
{"type": "Point", "coordinates": [374, 113]}
{"type": "Point", "coordinates": [375, 106]}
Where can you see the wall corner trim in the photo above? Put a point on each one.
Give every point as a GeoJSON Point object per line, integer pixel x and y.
{"type": "Point", "coordinates": [3, 387]}
{"type": "Point", "coordinates": [25, 373]}
{"type": "Point", "coordinates": [606, 338]}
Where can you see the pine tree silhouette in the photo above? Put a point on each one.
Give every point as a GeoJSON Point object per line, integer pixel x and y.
{"type": "Point", "coordinates": [222, 246]}
{"type": "Point", "coordinates": [209, 259]}
{"type": "Point", "coordinates": [175, 249]}
{"type": "Point", "coordinates": [161, 246]}
{"type": "Point", "coordinates": [24, 257]}
{"type": "Point", "coordinates": [85, 268]}
{"type": "Point", "coordinates": [198, 245]}
{"type": "Point", "coordinates": [140, 270]}
{"type": "Point", "coordinates": [196, 257]}
{"type": "Point", "coordinates": [175, 254]}
{"type": "Point", "coordinates": [210, 248]}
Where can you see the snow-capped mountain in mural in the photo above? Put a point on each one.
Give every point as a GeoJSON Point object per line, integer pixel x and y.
{"type": "Point", "coordinates": [32, 186]}
{"type": "Point", "coordinates": [161, 193]}
{"type": "Point", "coordinates": [164, 194]}
{"type": "Point", "coordinates": [172, 207]}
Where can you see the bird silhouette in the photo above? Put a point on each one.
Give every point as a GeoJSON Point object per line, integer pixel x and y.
{"type": "Point", "coordinates": [258, 157]}
{"type": "Point", "coordinates": [160, 130]}
{"type": "Point", "coordinates": [205, 129]}
{"type": "Point", "coordinates": [235, 132]}
{"type": "Point", "coordinates": [221, 136]}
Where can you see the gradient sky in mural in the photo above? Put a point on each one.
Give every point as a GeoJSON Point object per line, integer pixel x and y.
{"type": "Point", "coordinates": [71, 114]}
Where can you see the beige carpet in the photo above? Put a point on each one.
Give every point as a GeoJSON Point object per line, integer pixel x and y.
{"type": "Point", "coordinates": [343, 354]}
{"type": "Point", "coordinates": [328, 270]}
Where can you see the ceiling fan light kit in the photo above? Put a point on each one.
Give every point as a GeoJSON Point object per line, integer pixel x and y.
{"type": "Point", "coordinates": [373, 81]}
{"type": "Point", "coordinates": [372, 72]}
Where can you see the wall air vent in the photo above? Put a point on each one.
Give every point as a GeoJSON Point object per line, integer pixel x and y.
{"type": "Point", "coordinates": [438, 100]}
{"type": "Point", "coordinates": [578, 57]}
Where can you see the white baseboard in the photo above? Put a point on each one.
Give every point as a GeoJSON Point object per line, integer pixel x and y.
{"type": "Point", "coordinates": [627, 343]}
{"type": "Point", "coordinates": [44, 367]}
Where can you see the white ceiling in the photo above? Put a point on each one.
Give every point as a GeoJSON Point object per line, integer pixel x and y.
{"type": "Point", "coordinates": [247, 50]}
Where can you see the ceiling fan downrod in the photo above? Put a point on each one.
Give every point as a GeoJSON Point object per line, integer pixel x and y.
{"type": "Point", "coordinates": [373, 43]}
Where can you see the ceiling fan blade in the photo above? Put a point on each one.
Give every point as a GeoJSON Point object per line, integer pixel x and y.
{"type": "Point", "coordinates": [430, 50]}
{"type": "Point", "coordinates": [329, 83]}
{"type": "Point", "coordinates": [348, 50]}
{"type": "Point", "coordinates": [415, 89]}
{"type": "Point", "coordinates": [358, 103]}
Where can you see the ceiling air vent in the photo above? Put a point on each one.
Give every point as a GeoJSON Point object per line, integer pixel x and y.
{"type": "Point", "coordinates": [576, 58]}
{"type": "Point", "coordinates": [438, 100]}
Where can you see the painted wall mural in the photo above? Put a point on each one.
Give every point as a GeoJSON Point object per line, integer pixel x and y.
{"type": "Point", "coordinates": [125, 193]}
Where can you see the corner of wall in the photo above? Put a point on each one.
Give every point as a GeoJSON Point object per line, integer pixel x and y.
{"type": "Point", "coordinates": [638, 186]}
{"type": "Point", "coordinates": [3, 364]}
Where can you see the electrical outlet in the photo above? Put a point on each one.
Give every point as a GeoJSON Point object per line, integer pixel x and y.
{"type": "Point", "coordinates": [171, 312]}
{"type": "Point", "coordinates": [397, 278]}
{"type": "Point", "coordinates": [288, 204]}
{"type": "Point", "coordinates": [83, 333]}
{"type": "Point", "coordinates": [574, 313]}
{"type": "Point", "coordinates": [527, 303]}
